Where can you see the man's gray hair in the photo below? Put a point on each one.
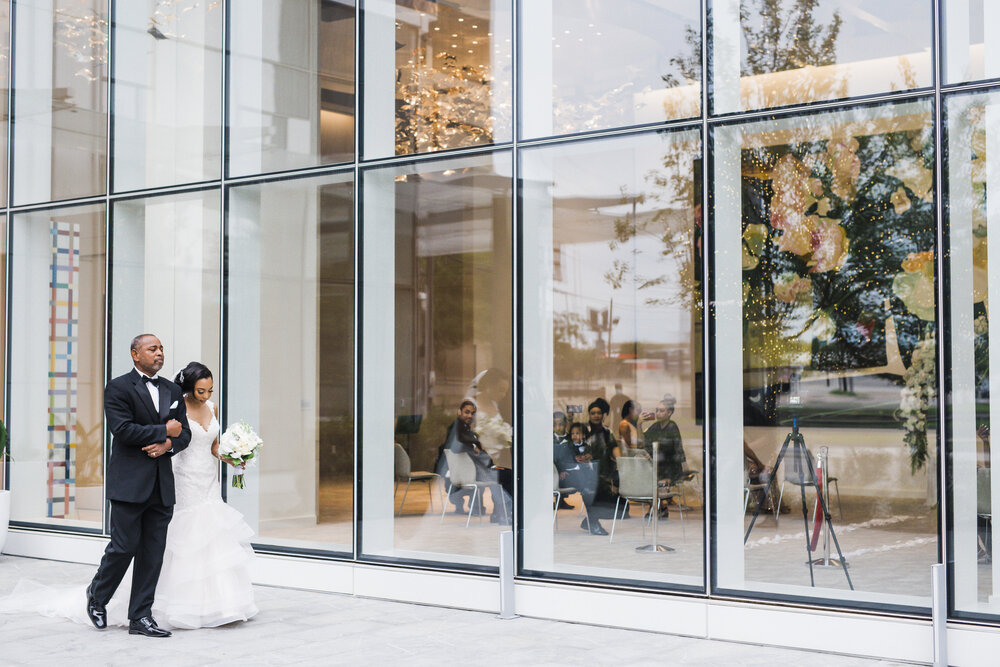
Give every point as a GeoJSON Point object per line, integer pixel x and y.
{"type": "Point", "coordinates": [137, 341]}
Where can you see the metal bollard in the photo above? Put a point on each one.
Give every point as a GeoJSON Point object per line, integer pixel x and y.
{"type": "Point", "coordinates": [939, 614]}
{"type": "Point", "coordinates": [507, 575]}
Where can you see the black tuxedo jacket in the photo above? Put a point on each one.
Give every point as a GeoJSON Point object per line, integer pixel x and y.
{"type": "Point", "coordinates": [134, 423]}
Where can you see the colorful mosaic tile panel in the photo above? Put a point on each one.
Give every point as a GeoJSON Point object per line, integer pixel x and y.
{"type": "Point", "coordinates": [63, 346]}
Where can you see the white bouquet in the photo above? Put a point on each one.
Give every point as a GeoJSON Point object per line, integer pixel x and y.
{"type": "Point", "coordinates": [239, 445]}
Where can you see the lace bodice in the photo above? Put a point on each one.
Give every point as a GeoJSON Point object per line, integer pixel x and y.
{"type": "Point", "coordinates": [195, 469]}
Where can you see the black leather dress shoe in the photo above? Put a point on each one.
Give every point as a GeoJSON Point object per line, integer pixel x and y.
{"type": "Point", "coordinates": [596, 528]}
{"type": "Point", "coordinates": [96, 612]}
{"type": "Point", "coordinates": [146, 626]}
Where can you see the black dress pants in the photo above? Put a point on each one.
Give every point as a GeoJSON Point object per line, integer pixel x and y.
{"type": "Point", "coordinates": [584, 479]}
{"type": "Point", "coordinates": [139, 532]}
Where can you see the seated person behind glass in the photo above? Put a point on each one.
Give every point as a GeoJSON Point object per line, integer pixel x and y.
{"type": "Point", "coordinates": [601, 446]}
{"type": "Point", "coordinates": [572, 463]}
{"type": "Point", "coordinates": [463, 440]}
{"type": "Point", "coordinates": [559, 427]}
{"type": "Point", "coordinates": [576, 445]}
{"type": "Point", "coordinates": [457, 496]}
{"type": "Point", "coordinates": [560, 435]}
{"type": "Point", "coordinates": [628, 428]}
{"type": "Point", "coordinates": [670, 467]}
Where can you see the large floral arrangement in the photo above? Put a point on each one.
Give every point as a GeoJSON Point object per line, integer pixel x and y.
{"type": "Point", "coordinates": [838, 239]}
{"type": "Point", "coordinates": [916, 398]}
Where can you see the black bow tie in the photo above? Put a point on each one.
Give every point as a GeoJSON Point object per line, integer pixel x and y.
{"type": "Point", "coordinates": [153, 381]}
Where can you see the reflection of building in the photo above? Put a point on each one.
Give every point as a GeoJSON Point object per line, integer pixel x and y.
{"type": "Point", "coordinates": [527, 215]}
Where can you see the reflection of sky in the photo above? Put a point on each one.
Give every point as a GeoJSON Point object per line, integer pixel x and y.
{"type": "Point", "coordinates": [602, 46]}
{"type": "Point", "coordinates": [583, 287]}
{"type": "Point", "coordinates": [605, 170]}
{"type": "Point", "coordinates": [610, 167]}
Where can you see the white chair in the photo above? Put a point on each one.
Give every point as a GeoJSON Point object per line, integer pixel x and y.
{"type": "Point", "coordinates": [462, 475]}
{"type": "Point", "coordinates": [679, 486]}
{"type": "Point", "coordinates": [637, 483]}
{"type": "Point", "coordinates": [403, 473]}
{"type": "Point", "coordinates": [796, 471]}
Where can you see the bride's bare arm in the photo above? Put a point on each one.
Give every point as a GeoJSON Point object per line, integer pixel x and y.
{"type": "Point", "coordinates": [215, 443]}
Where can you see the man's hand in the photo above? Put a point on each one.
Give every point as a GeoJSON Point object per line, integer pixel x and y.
{"type": "Point", "coordinates": [563, 475]}
{"type": "Point", "coordinates": [173, 428]}
{"type": "Point", "coordinates": [158, 449]}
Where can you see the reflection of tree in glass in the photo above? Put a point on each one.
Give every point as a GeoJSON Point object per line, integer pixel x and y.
{"type": "Point", "coordinates": [785, 36]}
{"type": "Point", "coordinates": [689, 64]}
{"type": "Point", "coordinates": [659, 231]}
{"type": "Point", "coordinates": [671, 229]}
{"type": "Point", "coordinates": [786, 39]}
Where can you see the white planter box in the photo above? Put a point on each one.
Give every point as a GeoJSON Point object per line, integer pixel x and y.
{"type": "Point", "coordinates": [4, 516]}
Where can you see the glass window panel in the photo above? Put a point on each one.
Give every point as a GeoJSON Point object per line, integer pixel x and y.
{"type": "Point", "coordinates": [969, 55]}
{"type": "Point", "coordinates": [972, 136]}
{"type": "Point", "coordinates": [829, 323]}
{"type": "Point", "coordinates": [57, 372]}
{"type": "Point", "coordinates": [608, 63]}
{"type": "Point", "coordinates": [290, 356]}
{"type": "Point", "coordinates": [3, 334]}
{"type": "Point", "coordinates": [165, 279]}
{"type": "Point", "coordinates": [292, 104]}
{"type": "Point", "coordinates": [772, 53]}
{"type": "Point", "coordinates": [612, 351]}
{"type": "Point", "coordinates": [60, 109]}
{"type": "Point", "coordinates": [437, 301]}
{"type": "Point", "coordinates": [448, 84]}
{"type": "Point", "coordinates": [4, 86]}
{"type": "Point", "coordinates": [168, 93]}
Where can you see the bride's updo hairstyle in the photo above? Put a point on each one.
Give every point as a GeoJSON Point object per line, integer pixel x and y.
{"type": "Point", "coordinates": [190, 374]}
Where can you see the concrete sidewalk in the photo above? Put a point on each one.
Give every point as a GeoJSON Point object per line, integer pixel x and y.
{"type": "Point", "coordinates": [300, 627]}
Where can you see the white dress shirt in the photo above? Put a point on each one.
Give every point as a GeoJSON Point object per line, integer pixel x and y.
{"type": "Point", "coordinates": [154, 391]}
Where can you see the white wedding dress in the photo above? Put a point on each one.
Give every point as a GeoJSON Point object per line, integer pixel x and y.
{"type": "Point", "coordinates": [205, 580]}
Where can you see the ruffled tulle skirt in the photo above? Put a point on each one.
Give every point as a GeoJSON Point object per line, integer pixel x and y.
{"type": "Point", "coordinates": [205, 580]}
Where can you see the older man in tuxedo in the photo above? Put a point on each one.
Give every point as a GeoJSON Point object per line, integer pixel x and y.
{"type": "Point", "coordinates": [147, 419]}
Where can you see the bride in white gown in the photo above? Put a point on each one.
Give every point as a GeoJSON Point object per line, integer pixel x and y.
{"type": "Point", "coordinates": [205, 579]}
